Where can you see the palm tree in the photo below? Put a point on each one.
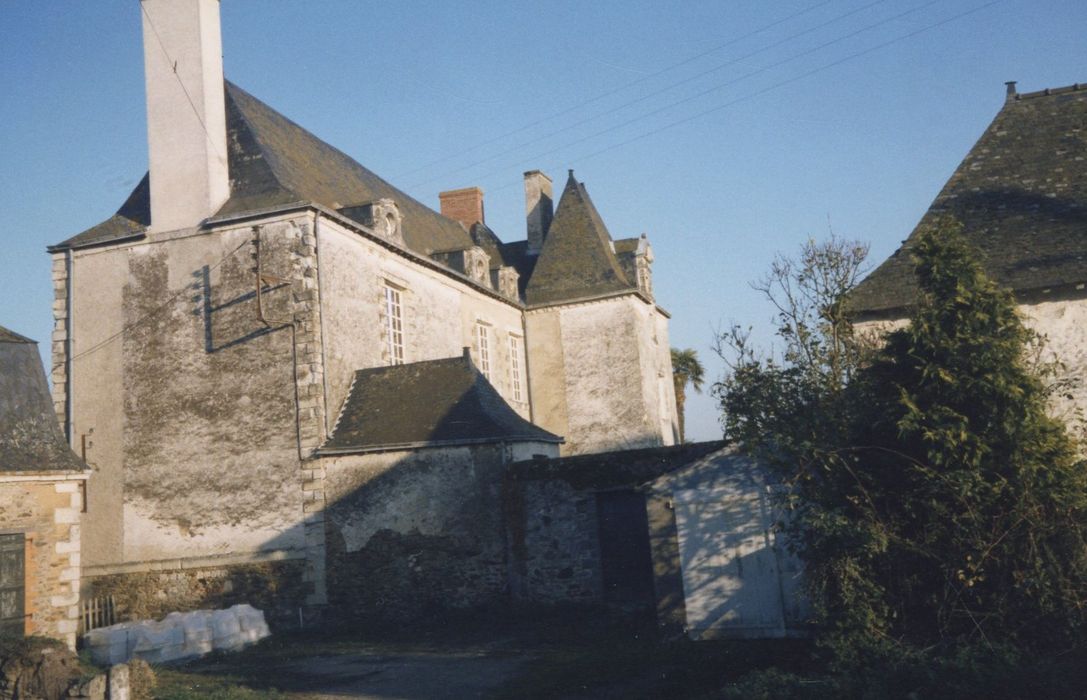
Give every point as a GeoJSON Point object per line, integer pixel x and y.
{"type": "Point", "coordinates": [686, 369]}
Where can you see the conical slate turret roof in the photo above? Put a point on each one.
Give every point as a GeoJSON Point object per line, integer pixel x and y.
{"type": "Point", "coordinates": [576, 260]}
{"type": "Point", "coordinates": [30, 439]}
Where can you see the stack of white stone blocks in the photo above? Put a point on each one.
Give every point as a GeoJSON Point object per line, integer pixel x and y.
{"type": "Point", "coordinates": [179, 637]}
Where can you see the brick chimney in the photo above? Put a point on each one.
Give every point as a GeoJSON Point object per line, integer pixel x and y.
{"type": "Point", "coordinates": [186, 112]}
{"type": "Point", "coordinates": [465, 206]}
{"type": "Point", "coordinates": [539, 208]}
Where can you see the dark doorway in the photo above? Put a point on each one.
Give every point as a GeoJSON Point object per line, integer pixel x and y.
{"type": "Point", "coordinates": [12, 584]}
{"type": "Point", "coordinates": [624, 547]}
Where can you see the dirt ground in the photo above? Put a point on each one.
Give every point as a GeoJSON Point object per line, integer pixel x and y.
{"type": "Point", "coordinates": [559, 654]}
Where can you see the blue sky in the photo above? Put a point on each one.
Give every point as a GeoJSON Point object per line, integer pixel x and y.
{"type": "Point", "coordinates": [727, 131]}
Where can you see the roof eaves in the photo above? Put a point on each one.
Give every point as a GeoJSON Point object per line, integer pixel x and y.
{"type": "Point", "coordinates": [365, 232]}
{"type": "Point", "coordinates": [594, 297]}
{"type": "Point", "coordinates": [405, 446]}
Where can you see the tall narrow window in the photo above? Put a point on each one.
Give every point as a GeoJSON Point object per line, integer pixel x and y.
{"type": "Point", "coordinates": [394, 326]}
{"type": "Point", "coordinates": [516, 373]}
{"type": "Point", "coordinates": [483, 339]}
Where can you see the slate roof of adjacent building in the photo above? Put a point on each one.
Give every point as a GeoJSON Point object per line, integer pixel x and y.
{"type": "Point", "coordinates": [427, 404]}
{"type": "Point", "coordinates": [274, 162]}
{"type": "Point", "coordinates": [576, 259]}
{"type": "Point", "coordinates": [1021, 196]}
{"type": "Point", "coordinates": [617, 469]}
{"type": "Point", "coordinates": [30, 439]}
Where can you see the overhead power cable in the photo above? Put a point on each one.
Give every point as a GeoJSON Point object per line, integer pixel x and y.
{"type": "Point", "coordinates": [673, 86]}
{"type": "Point", "coordinates": [750, 74]}
{"type": "Point", "coordinates": [171, 62]}
{"type": "Point", "coordinates": [750, 96]}
{"type": "Point", "coordinates": [618, 89]}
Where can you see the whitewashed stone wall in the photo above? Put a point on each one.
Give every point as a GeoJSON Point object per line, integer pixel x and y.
{"type": "Point", "coordinates": [1063, 327]}
{"type": "Point", "coordinates": [439, 313]}
{"type": "Point", "coordinates": [601, 374]}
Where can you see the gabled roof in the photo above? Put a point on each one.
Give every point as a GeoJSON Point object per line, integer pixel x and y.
{"type": "Point", "coordinates": [1021, 196]}
{"type": "Point", "coordinates": [576, 259]}
{"type": "Point", "coordinates": [30, 439]}
{"type": "Point", "coordinates": [274, 162]}
{"type": "Point", "coordinates": [7, 336]}
{"type": "Point", "coordinates": [426, 404]}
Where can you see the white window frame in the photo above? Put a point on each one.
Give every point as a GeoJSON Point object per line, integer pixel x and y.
{"type": "Point", "coordinates": [483, 342]}
{"type": "Point", "coordinates": [516, 348]}
{"type": "Point", "coordinates": [394, 323]}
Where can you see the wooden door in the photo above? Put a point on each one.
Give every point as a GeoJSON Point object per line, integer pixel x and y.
{"type": "Point", "coordinates": [12, 583]}
{"type": "Point", "coordinates": [625, 559]}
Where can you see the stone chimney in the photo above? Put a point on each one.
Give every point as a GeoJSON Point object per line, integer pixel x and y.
{"type": "Point", "coordinates": [186, 111]}
{"type": "Point", "coordinates": [465, 206]}
{"type": "Point", "coordinates": [539, 208]}
{"type": "Point", "coordinates": [1011, 94]}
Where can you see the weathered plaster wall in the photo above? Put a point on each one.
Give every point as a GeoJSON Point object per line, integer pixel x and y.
{"type": "Point", "coordinates": [658, 388]}
{"type": "Point", "coordinates": [615, 373]}
{"type": "Point", "coordinates": [189, 399]}
{"type": "Point", "coordinates": [1063, 325]}
{"type": "Point", "coordinates": [546, 372]}
{"type": "Point", "coordinates": [412, 532]}
{"type": "Point", "coordinates": [439, 313]}
{"type": "Point", "coordinates": [47, 511]}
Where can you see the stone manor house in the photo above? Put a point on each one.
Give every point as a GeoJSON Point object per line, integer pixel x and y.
{"type": "Point", "coordinates": [286, 370]}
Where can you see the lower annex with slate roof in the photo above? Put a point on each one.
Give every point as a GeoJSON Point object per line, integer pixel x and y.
{"type": "Point", "coordinates": [208, 337]}
{"type": "Point", "coordinates": [1020, 195]}
{"type": "Point", "coordinates": [42, 485]}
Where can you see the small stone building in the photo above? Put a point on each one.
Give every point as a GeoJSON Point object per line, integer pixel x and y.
{"type": "Point", "coordinates": [1021, 197]}
{"type": "Point", "coordinates": [413, 476]}
{"type": "Point", "coordinates": [42, 484]}
{"type": "Point", "coordinates": [688, 532]}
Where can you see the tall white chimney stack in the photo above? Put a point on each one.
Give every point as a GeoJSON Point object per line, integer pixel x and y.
{"type": "Point", "coordinates": [186, 111]}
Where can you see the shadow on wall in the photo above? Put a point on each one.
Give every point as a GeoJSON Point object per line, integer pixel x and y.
{"type": "Point", "coordinates": [408, 534]}
{"type": "Point", "coordinates": [210, 312]}
{"type": "Point", "coordinates": [700, 546]}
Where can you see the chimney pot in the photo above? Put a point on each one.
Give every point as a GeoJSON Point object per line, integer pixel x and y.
{"type": "Point", "coordinates": [539, 208]}
{"type": "Point", "coordinates": [1011, 88]}
{"type": "Point", "coordinates": [464, 205]}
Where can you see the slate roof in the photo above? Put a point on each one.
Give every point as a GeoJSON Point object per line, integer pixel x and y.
{"type": "Point", "coordinates": [611, 470]}
{"type": "Point", "coordinates": [1021, 195]}
{"type": "Point", "coordinates": [576, 259]}
{"type": "Point", "coordinates": [30, 439]}
{"type": "Point", "coordinates": [426, 404]}
{"type": "Point", "coordinates": [275, 162]}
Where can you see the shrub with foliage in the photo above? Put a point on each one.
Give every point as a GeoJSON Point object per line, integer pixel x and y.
{"type": "Point", "coordinates": [936, 502]}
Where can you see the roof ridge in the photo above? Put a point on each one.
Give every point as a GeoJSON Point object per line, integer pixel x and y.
{"type": "Point", "coordinates": [1049, 92]}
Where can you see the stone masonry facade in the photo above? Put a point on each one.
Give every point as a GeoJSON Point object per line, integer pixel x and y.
{"type": "Point", "coordinates": [59, 368]}
{"type": "Point", "coordinates": [47, 511]}
{"type": "Point", "coordinates": [554, 546]}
